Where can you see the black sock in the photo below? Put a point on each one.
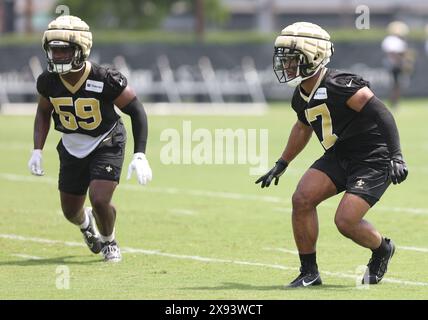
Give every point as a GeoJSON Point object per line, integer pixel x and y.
{"type": "Point", "coordinates": [383, 248]}
{"type": "Point", "coordinates": [309, 261]}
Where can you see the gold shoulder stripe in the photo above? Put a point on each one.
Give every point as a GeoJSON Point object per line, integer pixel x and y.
{"type": "Point", "coordinates": [304, 97]}
{"type": "Point", "coordinates": [317, 84]}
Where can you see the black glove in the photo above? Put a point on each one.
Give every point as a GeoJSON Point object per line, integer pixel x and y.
{"type": "Point", "coordinates": [275, 172]}
{"type": "Point", "coordinates": [398, 170]}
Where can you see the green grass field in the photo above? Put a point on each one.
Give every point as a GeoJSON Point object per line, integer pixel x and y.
{"type": "Point", "coordinates": [204, 231]}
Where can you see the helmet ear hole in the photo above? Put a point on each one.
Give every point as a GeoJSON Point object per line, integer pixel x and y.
{"type": "Point", "coordinates": [78, 61]}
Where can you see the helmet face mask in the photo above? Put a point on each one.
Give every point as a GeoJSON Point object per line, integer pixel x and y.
{"type": "Point", "coordinates": [291, 66]}
{"type": "Point", "coordinates": [63, 57]}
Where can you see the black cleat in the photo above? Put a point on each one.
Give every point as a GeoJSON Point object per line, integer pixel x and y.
{"type": "Point", "coordinates": [306, 279]}
{"type": "Point", "coordinates": [90, 234]}
{"type": "Point", "coordinates": [378, 265]}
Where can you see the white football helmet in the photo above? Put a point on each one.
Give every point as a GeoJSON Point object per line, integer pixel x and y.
{"type": "Point", "coordinates": [301, 50]}
{"type": "Point", "coordinates": [67, 32]}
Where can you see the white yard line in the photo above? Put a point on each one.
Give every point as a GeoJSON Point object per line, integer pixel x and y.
{"type": "Point", "coordinates": [419, 211]}
{"type": "Point", "coordinates": [190, 192]}
{"type": "Point", "coordinates": [13, 237]}
{"type": "Point", "coordinates": [41, 240]}
{"type": "Point", "coordinates": [210, 194]}
{"type": "Point", "coordinates": [29, 178]}
{"type": "Point", "coordinates": [424, 250]}
{"type": "Point", "coordinates": [282, 250]}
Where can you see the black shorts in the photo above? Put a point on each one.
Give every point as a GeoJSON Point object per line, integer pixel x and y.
{"type": "Point", "coordinates": [368, 179]}
{"type": "Point", "coordinates": [104, 163]}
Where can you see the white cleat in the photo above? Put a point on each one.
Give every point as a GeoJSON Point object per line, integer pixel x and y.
{"type": "Point", "coordinates": [111, 252]}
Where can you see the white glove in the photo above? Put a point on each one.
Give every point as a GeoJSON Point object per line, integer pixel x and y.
{"type": "Point", "coordinates": [140, 165]}
{"type": "Point", "coordinates": [35, 163]}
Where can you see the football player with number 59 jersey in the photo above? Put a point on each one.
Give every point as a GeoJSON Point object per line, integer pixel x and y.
{"type": "Point", "coordinates": [361, 143]}
{"type": "Point", "coordinates": [80, 97]}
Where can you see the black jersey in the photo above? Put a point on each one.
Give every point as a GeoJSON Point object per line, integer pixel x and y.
{"type": "Point", "coordinates": [87, 107]}
{"type": "Point", "coordinates": [326, 111]}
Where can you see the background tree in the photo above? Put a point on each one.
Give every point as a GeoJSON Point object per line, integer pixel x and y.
{"type": "Point", "coordinates": [138, 14]}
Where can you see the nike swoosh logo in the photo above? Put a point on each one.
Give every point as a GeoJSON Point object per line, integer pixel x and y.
{"type": "Point", "coordinates": [349, 84]}
{"type": "Point", "coordinates": [305, 284]}
{"type": "Point", "coordinates": [106, 139]}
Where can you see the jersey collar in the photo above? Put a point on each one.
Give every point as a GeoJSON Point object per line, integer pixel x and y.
{"type": "Point", "coordinates": [76, 87]}
{"type": "Point", "coordinates": [315, 88]}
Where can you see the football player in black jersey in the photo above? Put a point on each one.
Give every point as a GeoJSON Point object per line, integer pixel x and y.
{"type": "Point", "coordinates": [361, 142]}
{"type": "Point", "coordinates": [80, 97]}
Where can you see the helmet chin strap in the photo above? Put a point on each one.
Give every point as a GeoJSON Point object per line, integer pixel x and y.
{"type": "Point", "coordinates": [298, 80]}
{"type": "Point", "coordinates": [77, 70]}
{"type": "Point", "coordinates": [295, 82]}
{"type": "Point", "coordinates": [72, 70]}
